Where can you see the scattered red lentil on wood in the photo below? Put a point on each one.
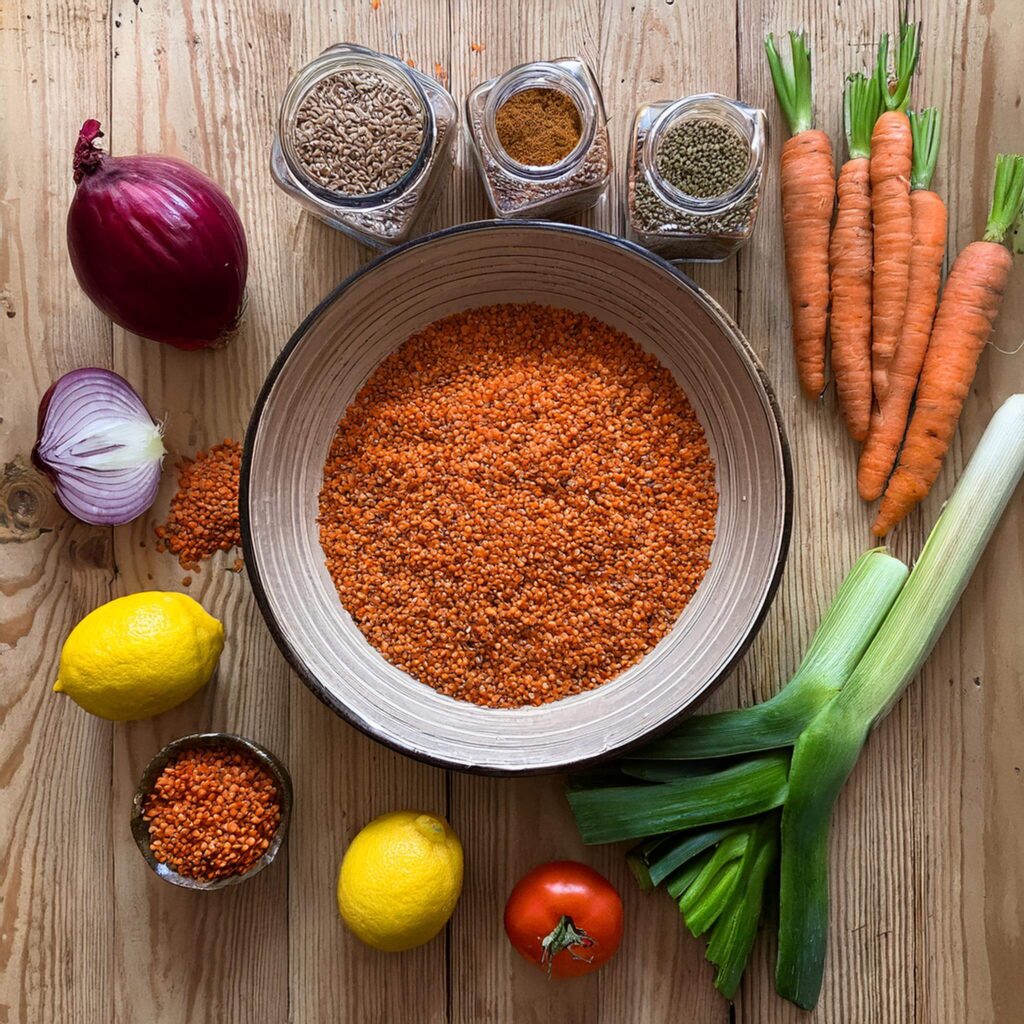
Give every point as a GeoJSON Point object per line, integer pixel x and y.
{"type": "Point", "coordinates": [204, 513]}
{"type": "Point", "coordinates": [518, 505]}
{"type": "Point", "coordinates": [477, 47]}
{"type": "Point", "coordinates": [439, 73]}
{"type": "Point", "coordinates": [212, 813]}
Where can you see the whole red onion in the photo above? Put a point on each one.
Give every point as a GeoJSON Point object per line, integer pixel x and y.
{"type": "Point", "coordinates": [156, 245]}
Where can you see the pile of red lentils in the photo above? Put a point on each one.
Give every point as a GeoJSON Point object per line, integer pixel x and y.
{"type": "Point", "coordinates": [204, 512]}
{"type": "Point", "coordinates": [518, 505]}
{"type": "Point", "coordinates": [212, 813]}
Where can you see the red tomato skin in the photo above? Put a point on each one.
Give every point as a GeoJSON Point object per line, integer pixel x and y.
{"type": "Point", "coordinates": [564, 888]}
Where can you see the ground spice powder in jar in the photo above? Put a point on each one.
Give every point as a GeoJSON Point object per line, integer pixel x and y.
{"type": "Point", "coordinates": [204, 512]}
{"type": "Point", "coordinates": [703, 157]}
{"type": "Point", "coordinates": [212, 813]}
{"type": "Point", "coordinates": [518, 505]}
{"type": "Point", "coordinates": [538, 127]}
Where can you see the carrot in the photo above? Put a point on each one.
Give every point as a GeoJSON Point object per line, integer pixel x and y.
{"type": "Point", "coordinates": [808, 195]}
{"type": "Point", "coordinates": [850, 258]}
{"type": "Point", "coordinates": [891, 149]}
{"type": "Point", "coordinates": [969, 307]}
{"type": "Point", "coordinates": [928, 214]}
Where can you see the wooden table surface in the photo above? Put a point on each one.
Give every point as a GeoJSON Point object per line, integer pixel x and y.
{"type": "Point", "coordinates": [928, 850]}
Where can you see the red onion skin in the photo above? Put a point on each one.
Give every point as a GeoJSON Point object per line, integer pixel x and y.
{"type": "Point", "coordinates": [156, 245]}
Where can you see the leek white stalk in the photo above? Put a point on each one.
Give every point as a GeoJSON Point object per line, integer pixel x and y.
{"type": "Point", "coordinates": [829, 747]}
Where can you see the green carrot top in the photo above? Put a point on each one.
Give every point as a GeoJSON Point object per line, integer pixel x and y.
{"type": "Point", "coordinates": [1007, 196]}
{"type": "Point", "coordinates": [862, 103]}
{"type": "Point", "coordinates": [896, 91]}
{"type": "Point", "coordinates": [925, 130]}
{"type": "Point", "coordinates": [793, 84]}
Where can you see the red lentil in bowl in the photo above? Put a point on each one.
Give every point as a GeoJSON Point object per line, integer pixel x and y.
{"type": "Point", "coordinates": [337, 350]}
{"type": "Point", "coordinates": [518, 505]}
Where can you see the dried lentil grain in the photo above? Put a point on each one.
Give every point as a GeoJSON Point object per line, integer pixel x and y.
{"type": "Point", "coordinates": [357, 132]}
{"type": "Point", "coordinates": [204, 513]}
{"type": "Point", "coordinates": [212, 812]}
{"type": "Point", "coordinates": [703, 157]}
{"type": "Point", "coordinates": [518, 505]}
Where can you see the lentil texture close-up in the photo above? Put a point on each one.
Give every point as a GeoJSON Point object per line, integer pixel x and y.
{"type": "Point", "coordinates": [703, 158]}
{"type": "Point", "coordinates": [518, 505]}
{"type": "Point", "coordinates": [203, 517]}
{"type": "Point", "coordinates": [212, 813]}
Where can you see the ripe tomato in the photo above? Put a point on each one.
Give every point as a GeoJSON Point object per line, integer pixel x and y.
{"type": "Point", "coordinates": [564, 917]}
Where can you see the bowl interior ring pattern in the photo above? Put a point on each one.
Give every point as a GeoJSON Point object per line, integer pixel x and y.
{"type": "Point", "coordinates": [333, 353]}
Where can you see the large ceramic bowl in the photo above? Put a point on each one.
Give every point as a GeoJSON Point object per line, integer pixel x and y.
{"type": "Point", "coordinates": [331, 355]}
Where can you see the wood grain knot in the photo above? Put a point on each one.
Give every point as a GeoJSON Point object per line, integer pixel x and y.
{"type": "Point", "coordinates": [27, 505]}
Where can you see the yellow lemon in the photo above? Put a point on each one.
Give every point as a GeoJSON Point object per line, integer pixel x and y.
{"type": "Point", "coordinates": [139, 656]}
{"type": "Point", "coordinates": [400, 880]}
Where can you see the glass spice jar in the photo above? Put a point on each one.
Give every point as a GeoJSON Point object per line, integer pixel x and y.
{"type": "Point", "coordinates": [572, 183]}
{"type": "Point", "coordinates": [671, 222]}
{"type": "Point", "coordinates": [364, 142]}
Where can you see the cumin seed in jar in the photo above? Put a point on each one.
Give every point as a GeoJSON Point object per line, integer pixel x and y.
{"type": "Point", "coordinates": [356, 132]}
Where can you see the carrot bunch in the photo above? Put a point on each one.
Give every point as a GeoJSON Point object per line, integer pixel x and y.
{"type": "Point", "coordinates": [963, 325]}
{"type": "Point", "coordinates": [903, 361]}
{"type": "Point", "coordinates": [928, 220]}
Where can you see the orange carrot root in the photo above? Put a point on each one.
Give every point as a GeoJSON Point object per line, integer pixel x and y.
{"type": "Point", "coordinates": [808, 195]}
{"type": "Point", "coordinates": [963, 325]}
{"type": "Point", "coordinates": [889, 421]}
{"type": "Point", "coordinates": [891, 150]}
{"type": "Point", "coordinates": [850, 329]}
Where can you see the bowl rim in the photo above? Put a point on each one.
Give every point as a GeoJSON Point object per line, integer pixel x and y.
{"type": "Point", "coordinates": [270, 763]}
{"type": "Point", "coordinates": [744, 351]}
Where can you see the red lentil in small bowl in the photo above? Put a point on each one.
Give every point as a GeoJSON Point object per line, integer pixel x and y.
{"type": "Point", "coordinates": [211, 810]}
{"type": "Point", "coordinates": [414, 535]}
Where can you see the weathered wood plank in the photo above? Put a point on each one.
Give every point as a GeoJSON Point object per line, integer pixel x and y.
{"type": "Point", "coordinates": [927, 876]}
{"type": "Point", "coordinates": [56, 932]}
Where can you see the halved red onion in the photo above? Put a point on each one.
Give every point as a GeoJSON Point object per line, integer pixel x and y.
{"type": "Point", "coordinates": [99, 445]}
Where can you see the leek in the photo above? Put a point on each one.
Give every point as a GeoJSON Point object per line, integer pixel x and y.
{"type": "Point", "coordinates": [631, 812]}
{"type": "Point", "coordinates": [849, 625]}
{"type": "Point", "coordinates": [829, 747]}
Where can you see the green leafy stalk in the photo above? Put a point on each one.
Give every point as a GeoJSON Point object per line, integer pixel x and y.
{"type": "Point", "coordinates": [709, 892]}
{"type": "Point", "coordinates": [828, 749]}
{"type": "Point", "coordinates": [630, 812]}
{"type": "Point", "coordinates": [853, 618]}
{"type": "Point", "coordinates": [925, 129]}
{"type": "Point", "coordinates": [678, 853]}
{"type": "Point", "coordinates": [682, 879]}
{"type": "Point", "coordinates": [793, 83]}
{"type": "Point", "coordinates": [1007, 196]}
{"type": "Point", "coordinates": [733, 934]}
{"type": "Point", "coordinates": [895, 92]}
{"type": "Point", "coordinates": [862, 103]}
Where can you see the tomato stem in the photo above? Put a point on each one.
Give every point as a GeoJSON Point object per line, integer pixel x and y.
{"type": "Point", "coordinates": [562, 938]}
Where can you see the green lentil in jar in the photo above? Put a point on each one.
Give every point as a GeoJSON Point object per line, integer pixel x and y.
{"type": "Point", "coordinates": [703, 157]}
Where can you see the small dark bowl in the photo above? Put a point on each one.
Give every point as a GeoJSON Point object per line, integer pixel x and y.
{"type": "Point", "coordinates": [140, 827]}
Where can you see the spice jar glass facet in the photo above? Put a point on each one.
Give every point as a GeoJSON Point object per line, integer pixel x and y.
{"type": "Point", "coordinates": [387, 214]}
{"type": "Point", "coordinates": [575, 182]}
{"type": "Point", "coordinates": [668, 221]}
